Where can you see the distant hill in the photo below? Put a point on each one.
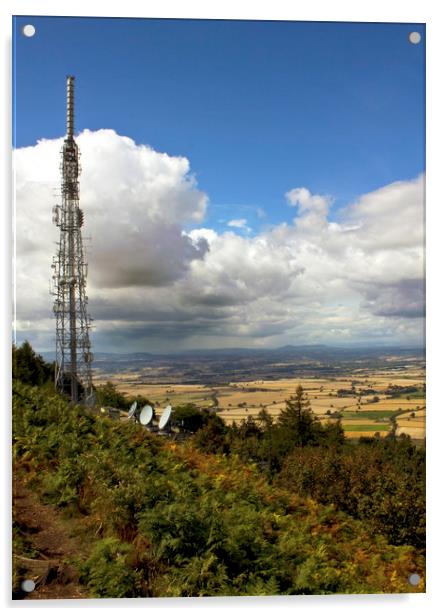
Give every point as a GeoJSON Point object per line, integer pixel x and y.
{"type": "Point", "coordinates": [211, 366]}
{"type": "Point", "coordinates": [303, 350]}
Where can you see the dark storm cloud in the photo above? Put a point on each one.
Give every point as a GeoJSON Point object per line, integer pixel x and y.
{"type": "Point", "coordinates": [404, 299]}
{"type": "Point", "coordinates": [153, 255]}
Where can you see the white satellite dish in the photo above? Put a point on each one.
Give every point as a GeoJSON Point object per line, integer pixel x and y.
{"type": "Point", "coordinates": [165, 417]}
{"type": "Point", "coordinates": [132, 410]}
{"type": "Point", "coordinates": [146, 415]}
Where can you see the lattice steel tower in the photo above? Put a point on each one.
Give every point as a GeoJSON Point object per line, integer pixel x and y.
{"type": "Point", "coordinates": [73, 347]}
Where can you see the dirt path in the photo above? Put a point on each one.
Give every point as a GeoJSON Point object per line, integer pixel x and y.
{"type": "Point", "coordinates": [42, 528]}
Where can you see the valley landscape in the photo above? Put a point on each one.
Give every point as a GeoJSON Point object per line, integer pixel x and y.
{"type": "Point", "coordinates": [368, 390]}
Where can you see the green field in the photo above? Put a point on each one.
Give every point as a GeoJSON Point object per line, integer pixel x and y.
{"type": "Point", "coordinates": [367, 414]}
{"type": "Point", "coordinates": [367, 428]}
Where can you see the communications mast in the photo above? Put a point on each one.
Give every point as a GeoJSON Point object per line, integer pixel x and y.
{"type": "Point", "coordinates": [73, 347]}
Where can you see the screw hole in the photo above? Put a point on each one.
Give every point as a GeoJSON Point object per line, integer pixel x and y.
{"type": "Point", "coordinates": [28, 30]}
{"type": "Point", "coordinates": [414, 38]}
{"type": "Point", "coordinates": [28, 585]}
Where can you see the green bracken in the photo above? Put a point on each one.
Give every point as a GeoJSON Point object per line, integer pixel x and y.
{"type": "Point", "coordinates": [166, 519]}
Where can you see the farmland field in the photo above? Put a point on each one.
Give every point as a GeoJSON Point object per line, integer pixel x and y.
{"type": "Point", "coordinates": [358, 427]}
{"type": "Point", "coordinates": [366, 403]}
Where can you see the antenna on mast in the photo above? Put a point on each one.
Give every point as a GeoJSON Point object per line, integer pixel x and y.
{"type": "Point", "coordinates": [70, 107]}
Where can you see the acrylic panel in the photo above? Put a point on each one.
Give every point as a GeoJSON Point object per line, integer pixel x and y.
{"type": "Point", "coordinates": [219, 352]}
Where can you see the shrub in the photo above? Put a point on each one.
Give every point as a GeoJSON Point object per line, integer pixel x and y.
{"type": "Point", "coordinates": [106, 572]}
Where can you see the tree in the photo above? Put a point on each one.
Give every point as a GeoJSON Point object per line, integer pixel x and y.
{"type": "Point", "coordinates": [265, 419]}
{"type": "Point", "coordinates": [380, 480]}
{"type": "Point", "coordinates": [332, 434]}
{"type": "Point", "coordinates": [298, 420]}
{"type": "Point", "coordinates": [190, 418]}
{"type": "Point", "coordinates": [212, 437]}
{"type": "Point", "coordinates": [107, 395]}
{"type": "Point", "coordinates": [29, 367]}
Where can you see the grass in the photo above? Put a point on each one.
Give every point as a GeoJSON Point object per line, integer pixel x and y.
{"type": "Point", "coordinates": [367, 428]}
{"type": "Point", "coordinates": [367, 414]}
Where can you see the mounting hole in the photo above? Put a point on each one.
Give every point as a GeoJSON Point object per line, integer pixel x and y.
{"type": "Point", "coordinates": [28, 30]}
{"type": "Point", "coordinates": [414, 579]}
{"type": "Point", "coordinates": [414, 38]}
{"type": "Point", "coordinates": [28, 585]}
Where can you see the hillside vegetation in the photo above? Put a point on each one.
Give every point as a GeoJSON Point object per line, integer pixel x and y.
{"type": "Point", "coordinates": [224, 513]}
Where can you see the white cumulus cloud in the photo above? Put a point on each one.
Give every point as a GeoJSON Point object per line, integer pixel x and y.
{"type": "Point", "coordinates": [239, 223]}
{"type": "Point", "coordinates": [154, 284]}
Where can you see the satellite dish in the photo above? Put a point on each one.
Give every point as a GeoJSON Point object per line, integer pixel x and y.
{"type": "Point", "coordinates": [165, 417]}
{"type": "Point", "coordinates": [146, 415]}
{"type": "Point", "coordinates": [132, 410]}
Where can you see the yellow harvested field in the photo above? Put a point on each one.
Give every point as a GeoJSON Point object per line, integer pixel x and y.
{"type": "Point", "coordinates": [418, 414]}
{"type": "Point", "coordinates": [413, 426]}
{"type": "Point", "coordinates": [250, 399]}
{"type": "Point", "coordinates": [413, 431]}
{"type": "Point", "coordinates": [123, 377]}
{"type": "Point", "coordinates": [169, 393]}
{"type": "Point", "coordinates": [359, 433]}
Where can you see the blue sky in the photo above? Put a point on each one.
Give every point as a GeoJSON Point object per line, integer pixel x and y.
{"type": "Point", "coordinates": [257, 107]}
{"type": "Point", "coordinates": [305, 221]}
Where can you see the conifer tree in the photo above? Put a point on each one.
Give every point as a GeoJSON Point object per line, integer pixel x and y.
{"type": "Point", "coordinates": [298, 419]}
{"type": "Point", "coordinates": [29, 367]}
